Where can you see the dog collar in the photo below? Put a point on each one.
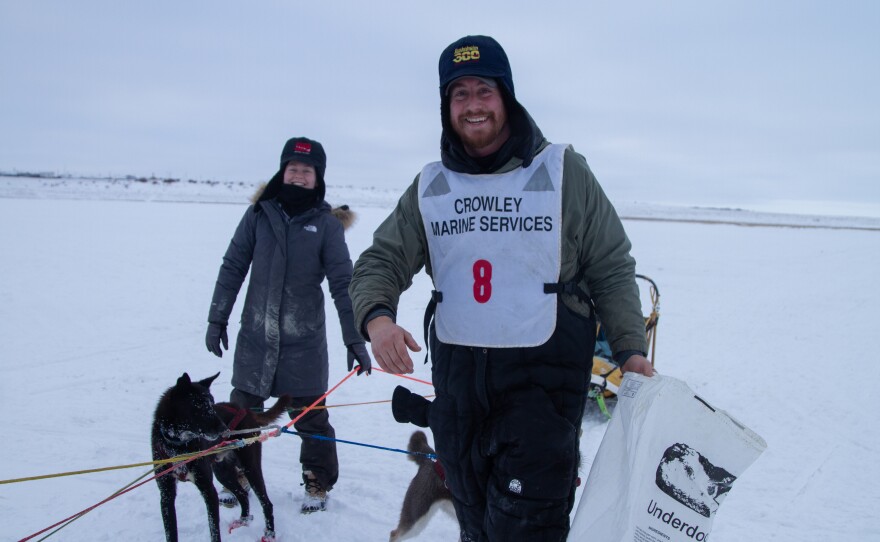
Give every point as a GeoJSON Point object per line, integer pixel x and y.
{"type": "Point", "coordinates": [181, 438]}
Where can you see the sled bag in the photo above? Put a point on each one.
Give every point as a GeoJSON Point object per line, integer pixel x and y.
{"type": "Point", "coordinates": [665, 464]}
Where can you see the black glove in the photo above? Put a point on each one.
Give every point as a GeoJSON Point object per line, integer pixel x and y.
{"type": "Point", "coordinates": [408, 407]}
{"type": "Point", "coordinates": [358, 351]}
{"type": "Point", "coordinates": [216, 334]}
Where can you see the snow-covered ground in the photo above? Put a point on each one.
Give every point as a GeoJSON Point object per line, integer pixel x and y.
{"type": "Point", "coordinates": [104, 292]}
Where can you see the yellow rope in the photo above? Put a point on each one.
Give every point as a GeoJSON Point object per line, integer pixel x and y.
{"type": "Point", "coordinates": [213, 449]}
{"type": "Point", "coordinates": [175, 459]}
{"type": "Point", "coordinates": [165, 461]}
{"type": "Point", "coordinates": [183, 459]}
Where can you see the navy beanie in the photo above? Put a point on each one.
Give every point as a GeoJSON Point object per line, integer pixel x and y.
{"type": "Point", "coordinates": [482, 56]}
{"type": "Point", "coordinates": [476, 56]}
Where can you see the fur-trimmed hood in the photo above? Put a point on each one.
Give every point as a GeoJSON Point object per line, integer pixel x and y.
{"type": "Point", "coordinates": [343, 213]}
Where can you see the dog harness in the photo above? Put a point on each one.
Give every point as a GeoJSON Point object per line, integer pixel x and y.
{"type": "Point", "coordinates": [438, 468]}
{"type": "Point", "coordinates": [240, 413]}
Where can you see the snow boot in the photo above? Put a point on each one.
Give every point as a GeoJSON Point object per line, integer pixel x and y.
{"type": "Point", "coordinates": [315, 499]}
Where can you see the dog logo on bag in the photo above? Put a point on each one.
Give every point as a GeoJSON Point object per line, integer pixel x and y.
{"type": "Point", "coordinates": [689, 478]}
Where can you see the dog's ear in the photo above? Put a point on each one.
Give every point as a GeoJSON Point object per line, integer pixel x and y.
{"type": "Point", "coordinates": [207, 381]}
{"type": "Point", "coordinates": [184, 380]}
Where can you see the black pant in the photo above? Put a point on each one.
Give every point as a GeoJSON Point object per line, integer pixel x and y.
{"type": "Point", "coordinates": [316, 455]}
{"type": "Point", "coordinates": [505, 424]}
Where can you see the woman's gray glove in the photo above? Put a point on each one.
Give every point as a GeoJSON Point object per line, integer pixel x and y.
{"type": "Point", "coordinates": [358, 351]}
{"type": "Point", "coordinates": [216, 334]}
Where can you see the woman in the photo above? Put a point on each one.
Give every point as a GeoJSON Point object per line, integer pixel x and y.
{"type": "Point", "coordinates": [290, 240]}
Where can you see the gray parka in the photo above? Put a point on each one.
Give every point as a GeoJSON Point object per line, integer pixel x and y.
{"type": "Point", "coordinates": [282, 344]}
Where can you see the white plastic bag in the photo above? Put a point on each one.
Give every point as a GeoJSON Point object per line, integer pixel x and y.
{"type": "Point", "coordinates": [666, 462]}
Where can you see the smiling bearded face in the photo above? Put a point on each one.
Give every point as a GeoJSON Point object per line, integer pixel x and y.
{"type": "Point", "coordinates": [478, 115]}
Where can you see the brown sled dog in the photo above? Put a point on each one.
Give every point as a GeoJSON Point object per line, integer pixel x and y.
{"type": "Point", "coordinates": [187, 421]}
{"type": "Point", "coordinates": [427, 487]}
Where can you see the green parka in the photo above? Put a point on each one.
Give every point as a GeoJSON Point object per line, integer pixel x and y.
{"type": "Point", "coordinates": [594, 243]}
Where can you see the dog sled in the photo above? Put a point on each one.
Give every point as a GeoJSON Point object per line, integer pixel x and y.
{"type": "Point", "coordinates": [606, 375]}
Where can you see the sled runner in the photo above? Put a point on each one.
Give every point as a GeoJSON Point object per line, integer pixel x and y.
{"type": "Point", "coordinates": [606, 374]}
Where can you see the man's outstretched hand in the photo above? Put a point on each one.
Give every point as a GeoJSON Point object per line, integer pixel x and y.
{"type": "Point", "coordinates": [392, 345]}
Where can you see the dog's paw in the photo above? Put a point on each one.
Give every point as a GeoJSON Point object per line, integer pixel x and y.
{"type": "Point", "coordinates": [243, 520]}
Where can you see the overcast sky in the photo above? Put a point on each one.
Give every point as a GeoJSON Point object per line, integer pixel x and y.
{"type": "Point", "coordinates": [735, 103]}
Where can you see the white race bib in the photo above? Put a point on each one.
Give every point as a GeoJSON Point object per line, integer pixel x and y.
{"type": "Point", "coordinates": [494, 241]}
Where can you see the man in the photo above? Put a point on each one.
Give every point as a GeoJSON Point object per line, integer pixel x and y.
{"type": "Point", "coordinates": [521, 244]}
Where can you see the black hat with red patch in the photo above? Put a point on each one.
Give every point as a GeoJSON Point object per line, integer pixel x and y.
{"type": "Point", "coordinates": [305, 150]}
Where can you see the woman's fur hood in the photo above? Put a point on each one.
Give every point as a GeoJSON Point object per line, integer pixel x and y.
{"type": "Point", "coordinates": [343, 213]}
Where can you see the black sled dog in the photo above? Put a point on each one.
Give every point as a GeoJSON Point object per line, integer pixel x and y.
{"type": "Point", "coordinates": [187, 421]}
{"type": "Point", "coordinates": [427, 487]}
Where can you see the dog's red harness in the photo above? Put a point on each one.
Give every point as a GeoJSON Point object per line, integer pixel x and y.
{"type": "Point", "coordinates": [438, 468]}
{"type": "Point", "coordinates": [240, 413]}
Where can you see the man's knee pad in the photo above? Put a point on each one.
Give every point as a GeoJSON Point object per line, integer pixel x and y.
{"type": "Point", "coordinates": [454, 432]}
{"type": "Point", "coordinates": [533, 448]}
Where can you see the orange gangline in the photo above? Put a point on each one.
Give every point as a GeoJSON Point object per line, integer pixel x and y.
{"type": "Point", "coordinates": [321, 398]}
{"type": "Point", "coordinates": [404, 376]}
{"type": "Point", "coordinates": [349, 404]}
